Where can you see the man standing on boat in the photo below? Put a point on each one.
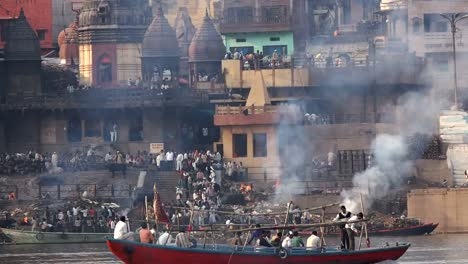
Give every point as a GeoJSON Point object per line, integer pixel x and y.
{"type": "Point", "coordinates": [145, 234]}
{"type": "Point", "coordinates": [352, 230]}
{"type": "Point", "coordinates": [344, 215]}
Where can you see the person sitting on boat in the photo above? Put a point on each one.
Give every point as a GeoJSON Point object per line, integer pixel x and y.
{"type": "Point", "coordinates": [122, 231]}
{"type": "Point", "coordinates": [276, 241]}
{"type": "Point", "coordinates": [264, 240]}
{"type": "Point", "coordinates": [183, 239]}
{"type": "Point", "coordinates": [351, 229]}
{"type": "Point", "coordinates": [297, 240]}
{"type": "Point", "coordinates": [145, 234]}
{"type": "Point", "coordinates": [344, 215]}
{"type": "Point", "coordinates": [237, 240]}
{"type": "Point", "coordinates": [165, 238]}
{"type": "Point", "coordinates": [287, 242]}
{"type": "Point", "coordinates": [255, 234]}
{"type": "Point", "coordinates": [313, 242]}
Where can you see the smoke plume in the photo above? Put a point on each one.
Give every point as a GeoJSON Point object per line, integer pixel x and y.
{"type": "Point", "coordinates": [417, 114]}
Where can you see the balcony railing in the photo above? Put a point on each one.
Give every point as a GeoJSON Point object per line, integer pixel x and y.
{"type": "Point", "coordinates": [255, 24]}
{"type": "Point", "coordinates": [105, 98]}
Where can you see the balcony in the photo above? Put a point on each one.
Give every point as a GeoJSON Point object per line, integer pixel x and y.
{"type": "Point", "coordinates": [256, 115]}
{"type": "Point", "coordinates": [255, 24]}
{"type": "Point", "coordinates": [106, 98]}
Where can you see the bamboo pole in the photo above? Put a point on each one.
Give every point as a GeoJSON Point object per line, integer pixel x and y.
{"type": "Point", "coordinates": [262, 214]}
{"type": "Point", "coordinates": [146, 210]}
{"type": "Point", "coordinates": [322, 230]}
{"type": "Point", "coordinates": [167, 239]}
{"type": "Point", "coordinates": [286, 220]}
{"type": "Point", "coordinates": [364, 224]}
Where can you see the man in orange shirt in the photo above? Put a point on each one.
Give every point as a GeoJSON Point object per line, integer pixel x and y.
{"type": "Point", "coordinates": [145, 234]}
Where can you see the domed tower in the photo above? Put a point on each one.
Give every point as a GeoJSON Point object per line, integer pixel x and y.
{"type": "Point", "coordinates": [110, 33]}
{"type": "Point", "coordinates": [205, 53]}
{"type": "Point", "coordinates": [23, 58]}
{"type": "Point", "coordinates": [160, 59]}
{"type": "Point", "coordinates": [68, 45]}
{"type": "Point", "coordinates": [184, 31]}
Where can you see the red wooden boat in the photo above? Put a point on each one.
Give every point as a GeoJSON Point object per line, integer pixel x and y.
{"type": "Point", "coordinates": [137, 253]}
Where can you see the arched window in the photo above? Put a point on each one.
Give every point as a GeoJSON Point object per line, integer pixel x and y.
{"type": "Point", "coordinates": [105, 69]}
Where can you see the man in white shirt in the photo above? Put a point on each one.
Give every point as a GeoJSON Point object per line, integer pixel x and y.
{"type": "Point", "coordinates": [84, 211]}
{"type": "Point", "coordinates": [313, 242]}
{"type": "Point", "coordinates": [108, 157]}
{"type": "Point", "coordinates": [179, 159]}
{"type": "Point", "coordinates": [122, 231]}
{"type": "Point", "coordinates": [60, 216]}
{"type": "Point", "coordinates": [352, 230]}
{"type": "Point", "coordinates": [287, 241]}
{"type": "Point", "coordinates": [165, 238]}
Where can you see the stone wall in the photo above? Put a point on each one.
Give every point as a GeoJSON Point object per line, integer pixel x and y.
{"type": "Point", "coordinates": [444, 206]}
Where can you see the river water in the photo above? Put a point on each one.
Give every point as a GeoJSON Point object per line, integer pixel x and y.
{"type": "Point", "coordinates": [432, 249]}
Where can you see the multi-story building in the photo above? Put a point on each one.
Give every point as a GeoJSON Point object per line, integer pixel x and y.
{"type": "Point", "coordinates": [116, 42]}
{"type": "Point", "coordinates": [263, 26]}
{"type": "Point", "coordinates": [336, 94]}
{"type": "Point", "coordinates": [419, 26]}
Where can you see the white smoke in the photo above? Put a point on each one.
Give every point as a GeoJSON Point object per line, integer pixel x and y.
{"type": "Point", "coordinates": [388, 171]}
{"type": "Point", "coordinates": [417, 113]}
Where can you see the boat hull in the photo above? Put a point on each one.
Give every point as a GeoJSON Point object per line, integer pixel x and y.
{"type": "Point", "coordinates": [406, 231]}
{"type": "Point", "coordinates": [29, 237]}
{"type": "Point", "coordinates": [133, 253]}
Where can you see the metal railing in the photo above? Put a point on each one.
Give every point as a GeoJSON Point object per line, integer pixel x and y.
{"type": "Point", "coordinates": [106, 98]}
{"type": "Point", "coordinates": [64, 191]}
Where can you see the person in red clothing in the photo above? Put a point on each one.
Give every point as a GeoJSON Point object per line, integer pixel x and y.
{"type": "Point", "coordinates": [92, 212]}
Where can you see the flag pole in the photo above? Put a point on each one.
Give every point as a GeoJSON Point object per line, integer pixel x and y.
{"type": "Point", "coordinates": [146, 211]}
{"type": "Point", "coordinates": [155, 192]}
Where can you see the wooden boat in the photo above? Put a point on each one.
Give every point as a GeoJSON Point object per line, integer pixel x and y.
{"type": "Point", "coordinates": [416, 230]}
{"type": "Point", "coordinates": [30, 237]}
{"type": "Point", "coordinates": [133, 252]}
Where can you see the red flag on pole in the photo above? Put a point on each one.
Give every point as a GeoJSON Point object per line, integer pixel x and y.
{"type": "Point", "coordinates": [159, 213]}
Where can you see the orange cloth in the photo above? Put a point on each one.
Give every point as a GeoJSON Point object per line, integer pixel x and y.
{"type": "Point", "coordinates": [146, 236]}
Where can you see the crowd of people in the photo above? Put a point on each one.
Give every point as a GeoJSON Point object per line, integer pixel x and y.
{"type": "Point", "coordinates": [317, 119]}
{"type": "Point", "coordinates": [258, 60]}
{"type": "Point", "coordinates": [76, 219]}
{"type": "Point", "coordinates": [34, 162]}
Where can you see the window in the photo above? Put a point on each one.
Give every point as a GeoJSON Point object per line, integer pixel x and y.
{"type": "Point", "coordinates": [274, 39]}
{"type": "Point", "coordinates": [105, 69]}
{"type": "Point", "coordinates": [239, 145]}
{"type": "Point", "coordinates": [274, 14]}
{"type": "Point", "coordinates": [136, 129]}
{"type": "Point", "coordinates": [280, 49]}
{"type": "Point", "coordinates": [260, 145]}
{"type": "Point", "coordinates": [435, 23]}
{"type": "Point", "coordinates": [41, 33]}
{"type": "Point", "coordinates": [416, 25]}
{"type": "Point", "coordinates": [92, 128]}
{"type": "Point", "coordinates": [241, 40]}
{"type": "Point", "coordinates": [239, 15]}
